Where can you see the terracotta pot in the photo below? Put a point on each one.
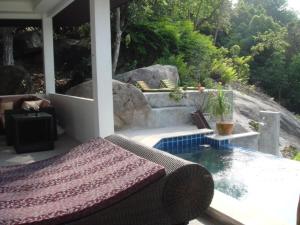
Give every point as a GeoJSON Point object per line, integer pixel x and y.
{"type": "Point", "coordinates": [225, 128]}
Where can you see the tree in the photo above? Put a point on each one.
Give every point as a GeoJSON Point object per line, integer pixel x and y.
{"type": "Point", "coordinates": [240, 23]}
{"type": "Point", "coordinates": [119, 26]}
{"type": "Point", "coordinates": [7, 34]}
{"type": "Point", "coordinates": [222, 19]}
{"type": "Point", "coordinates": [277, 9]}
{"type": "Point", "coordinates": [293, 38]}
{"type": "Point", "coordinates": [294, 84]}
{"type": "Point", "coordinates": [268, 67]}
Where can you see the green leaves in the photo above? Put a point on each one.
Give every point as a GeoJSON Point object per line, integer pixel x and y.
{"type": "Point", "coordinates": [255, 45]}
{"type": "Point", "coordinates": [223, 72]}
{"type": "Point", "coordinates": [185, 71]}
{"type": "Point", "coordinates": [219, 104]}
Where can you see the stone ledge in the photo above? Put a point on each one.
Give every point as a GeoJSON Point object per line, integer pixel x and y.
{"type": "Point", "coordinates": [233, 136]}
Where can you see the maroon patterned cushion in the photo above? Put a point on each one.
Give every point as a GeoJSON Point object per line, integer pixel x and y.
{"type": "Point", "coordinates": [90, 177]}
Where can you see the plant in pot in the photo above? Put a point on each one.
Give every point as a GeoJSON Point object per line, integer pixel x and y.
{"type": "Point", "coordinates": [220, 106]}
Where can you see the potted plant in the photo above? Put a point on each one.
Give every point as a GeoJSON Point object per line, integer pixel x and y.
{"type": "Point", "coordinates": [220, 106]}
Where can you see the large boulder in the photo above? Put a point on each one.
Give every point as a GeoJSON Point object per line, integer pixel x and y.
{"type": "Point", "coordinates": [131, 108]}
{"type": "Point", "coordinates": [14, 80]}
{"type": "Point", "coordinates": [29, 42]}
{"type": "Point", "coordinates": [248, 106]}
{"type": "Point", "coordinates": [84, 90]}
{"type": "Point", "coordinates": [152, 75]}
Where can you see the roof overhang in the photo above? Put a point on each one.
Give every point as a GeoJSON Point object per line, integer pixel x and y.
{"type": "Point", "coordinates": [30, 12]}
{"type": "Point", "coordinates": [31, 9]}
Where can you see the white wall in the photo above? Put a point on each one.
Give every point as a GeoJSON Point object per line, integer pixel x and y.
{"type": "Point", "coordinates": [75, 115]}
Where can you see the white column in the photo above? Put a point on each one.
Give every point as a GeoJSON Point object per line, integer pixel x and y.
{"type": "Point", "coordinates": [102, 66]}
{"type": "Point", "coordinates": [49, 70]}
{"type": "Point", "coordinates": [269, 132]}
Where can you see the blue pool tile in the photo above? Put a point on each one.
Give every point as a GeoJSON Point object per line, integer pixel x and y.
{"type": "Point", "coordinates": [176, 147]}
{"type": "Point", "coordinates": [201, 141]}
{"type": "Point", "coordinates": [174, 144]}
{"type": "Point", "coordinates": [209, 141]}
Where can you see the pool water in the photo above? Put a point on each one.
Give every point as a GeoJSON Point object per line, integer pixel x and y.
{"type": "Point", "coordinates": [269, 183]}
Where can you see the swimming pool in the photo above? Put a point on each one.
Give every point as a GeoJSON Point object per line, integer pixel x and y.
{"type": "Point", "coordinates": [269, 183]}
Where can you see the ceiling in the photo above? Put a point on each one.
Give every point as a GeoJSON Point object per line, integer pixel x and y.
{"type": "Point", "coordinates": [29, 12]}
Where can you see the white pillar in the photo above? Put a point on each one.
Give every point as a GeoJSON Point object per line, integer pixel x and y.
{"type": "Point", "coordinates": [49, 70]}
{"type": "Point", "coordinates": [102, 66]}
{"type": "Point", "coordinates": [269, 133]}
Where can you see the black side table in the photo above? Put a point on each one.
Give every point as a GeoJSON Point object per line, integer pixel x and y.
{"type": "Point", "coordinates": [33, 132]}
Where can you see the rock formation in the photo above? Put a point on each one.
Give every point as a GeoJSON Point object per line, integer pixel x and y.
{"type": "Point", "coordinates": [152, 75]}
{"type": "Point", "coordinates": [14, 80]}
{"type": "Point", "coordinates": [247, 108]}
{"type": "Point", "coordinates": [131, 108]}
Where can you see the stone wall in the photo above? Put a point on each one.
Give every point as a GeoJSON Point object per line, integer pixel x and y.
{"type": "Point", "coordinates": [137, 110]}
{"type": "Point", "coordinates": [165, 112]}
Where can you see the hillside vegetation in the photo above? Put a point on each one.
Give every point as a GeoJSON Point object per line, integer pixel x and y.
{"type": "Point", "coordinates": [252, 42]}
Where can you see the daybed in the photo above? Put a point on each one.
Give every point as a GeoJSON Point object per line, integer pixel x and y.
{"type": "Point", "coordinates": [180, 194]}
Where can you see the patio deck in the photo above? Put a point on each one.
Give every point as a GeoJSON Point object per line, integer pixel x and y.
{"type": "Point", "coordinates": [150, 137]}
{"type": "Point", "coordinates": [9, 157]}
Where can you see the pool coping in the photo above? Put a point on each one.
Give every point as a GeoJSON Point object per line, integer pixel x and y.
{"type": "Point", "coordinates": [233, 136]}
{"type": "Point", "coordinates": [223, 208]}
{"type": "Point", "coordinates": [151, 140]}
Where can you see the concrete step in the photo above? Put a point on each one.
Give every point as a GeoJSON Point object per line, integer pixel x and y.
{"type": "Point", "coordinates": [191, 98]}
{"type": "Point", "coordinates": [162, 99]}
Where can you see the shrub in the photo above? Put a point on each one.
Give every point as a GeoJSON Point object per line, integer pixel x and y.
{"type": "Point", "coordinates": [297, 157]}
{"type": "Point", "coordinates": [209, 83]}
{"type": "Point", "coordinates": [185, 71]}
{"type": "Point", "coordinates": [223, 72]}
{"type": "Point", "coordinates": [169, 42]}
{"type": "Point", "coordinates": [177, 94]}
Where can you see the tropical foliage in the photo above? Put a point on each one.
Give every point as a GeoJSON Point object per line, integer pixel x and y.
{"type": "Point", "coordinates": [253, 42]}
{"type": "Point", "coordinates": [219, 104]}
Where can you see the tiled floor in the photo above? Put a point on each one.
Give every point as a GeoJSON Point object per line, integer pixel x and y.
{"type": "Point", "coordinates": [150, 137]}
{"type": "Point", "coordinates": [8, 155]}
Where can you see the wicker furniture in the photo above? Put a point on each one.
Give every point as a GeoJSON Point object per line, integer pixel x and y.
{"type": "Point", "coordinates": [33, 132]}
{"type": "Point", "coordinates": [100, 183]}
{"type": "Point", "coordinates": [182, 195]}
{"type": "Point", "coordinates": [145, 87]}
{"type": "Point", "coordinates": [9, 128]}
{"type": "Point", "coordinates": [92, 176]}
{"type": "Point", "coordinates": [167, 84]}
